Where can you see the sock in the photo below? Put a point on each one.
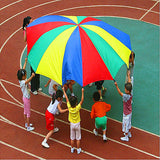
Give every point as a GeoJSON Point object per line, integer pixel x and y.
{"type": "Point", "coordinates": [45, 140]}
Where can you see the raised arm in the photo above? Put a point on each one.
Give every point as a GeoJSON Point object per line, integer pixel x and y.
{"type": "Point", "coordinates": [30, 78]}
{"type": "Point", "coordinates": [82, 98]}
{"type": "Point", "coordinates": [47, 83]}
{"type": "Point", "coordinates": [128, 75]}
{"type": "Point", "coordinates": [61, 110]}
{"type": "Point", "coordinates": [25, 63]}
{"type": "Point", "coordinates": [119, 91]}
{"type": "Point", "coordinates": [65, 94]}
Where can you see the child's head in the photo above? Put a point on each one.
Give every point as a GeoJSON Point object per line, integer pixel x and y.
{"type": "Point", "coordinates": [73, 101]}
{"type": "Point", "coordinates": [21, 74]}
{"type": "Point", "coordinates": [58, 96]}
{"type": "Point", "coordinates": [26, 21]}
{"type": "Point", "coordinates": [96, 96]}
{"type": "Point", "coordinates": [132, 55]}
{"type": "Point", "coordinates": [128, 88]}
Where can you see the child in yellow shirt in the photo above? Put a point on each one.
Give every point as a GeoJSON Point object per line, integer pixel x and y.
{"type": "Point", "coordinates": [74, 119]}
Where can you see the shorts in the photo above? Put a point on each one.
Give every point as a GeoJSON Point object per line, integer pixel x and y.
{"type": "Point", "coordinates": [101, 122]}
{"type": "Point", "coordinates": [27, 106]}
{"type": "Point", "coordinates": [75, 131]}
{"type": "Point", "coordinates": [49, 120]}
{"type": "Point", "coordinates": [99, 84]}
{"type": "Point", "coordinates": [126, 122]}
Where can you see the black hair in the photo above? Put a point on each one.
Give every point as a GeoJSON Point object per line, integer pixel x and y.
{"type": "Point", "coordinates": [96, 96]}
{"type": "Point", "coordinates": [26, 21]}
{"type": "Point", "coordinates": [21, 73]}
{"type": "Point", "coordinates": [131, 55]}
{"type": "Point", "coordinates": [128, 86]}
{"type": "Point", "coordinates": [73, 101]}
{"type": "Point", "coordinates": [58, 94]}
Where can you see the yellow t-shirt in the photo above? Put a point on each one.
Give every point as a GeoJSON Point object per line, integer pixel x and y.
{"type": "Point", "coordinates": [74, 114]}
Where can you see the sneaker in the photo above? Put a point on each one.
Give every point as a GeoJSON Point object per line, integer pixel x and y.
{"type": "Point", "coordinates": [95, 132]}
{"type": "Point", "coordinates": [55, 130]}
{"type": "Point", "coordinates": [35, 92]}
{"type": "Point", "coordinates": [39, 89]}
{"type": "Point", "coordinates": [90, 84]}
{"type": "Point", "coordinates": [72, 94]}
{"type": "Point", "coordinates": [78, 150]}
{"type": "Point", "coordinates": [30, 129]}
{"type": "Point", "coordinates": [72, 150]}
{"type": "Point", "coordinates": [104, 138]}
{"type": "Point", "coordinates": [29, 125]}
{"type": "Point", "coordinates": [45, 144]}
{"type": "Point", "coordinates": [125, 138]}
{"type": "Point", "coordinates": [104, 91]}
{"type": "Point", "coordinates": [129, 134]}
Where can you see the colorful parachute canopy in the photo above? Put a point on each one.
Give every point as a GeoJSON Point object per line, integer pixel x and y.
{"type": "Point", "coordinates": [77, 48]}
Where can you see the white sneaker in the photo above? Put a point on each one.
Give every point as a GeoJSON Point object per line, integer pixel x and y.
{"type": "Point", "coordinates": [125, 138]}
{"type": "Point", "coordinates": [95, 132]}
{"type": "Point", "coordinates": [39, 89]}
{"type": "Point", "coordinates": [78, 150]}
{"type": "Point", "coordinates": [45, 144]}
{"type": "Point", "coordinates": [35, 92]}
{"type": "Point", "coordinates": [29, 125]}
{"type": "Point", "coordinates": [104, 138]}
{"type": "Point", "coordinates": [55, 130]}
{"type": "Point", "coordinates": [72, 94]}
{"type": "Point", "coordinates": [72, 150]}
{"type": "Point", "coordinates": [129, 134]}
{"type": "Point", "coordinates": [30, 129]}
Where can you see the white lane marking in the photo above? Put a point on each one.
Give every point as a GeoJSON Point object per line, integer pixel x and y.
{"type": "Point", "coordinates": [28, 10]}
{"type": "Point", "coordinates": [9, 39]}
{"type": "Point", "coordinates": [149, 11]}
{"type": "Point", "coordinates": [3, 119]}
{"type": "Point", "coordinates": [121, 6]}
{"type": "Point", "coordinates": [10, 4]}
{"type": "Point", "coordinates": [115, 141]}
{"type": "Point", "coordinates": [43, 94]}
{"type": "Point", "coordinates": [9, 93]}
{"type": "Point", "coordinates": [21, 150]}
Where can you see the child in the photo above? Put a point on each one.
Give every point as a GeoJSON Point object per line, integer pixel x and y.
{"type": "Point", "coordinates": [21, 75]}
{"type": "Point", "coordinates": [99, 86]}
{"type": "Point", "coordinates": [74, 118]}
{"type": "Point", "coordinates": [53, 86]}
{"type": "Point", "coordinates": [98, 112]}
{"type": "Point", "coordinates": [131, 67]}
{"type": "Point", "coordinates": [50, 112]}
{"type": "Point", "coordinates": [69, 85]}
{"type": "Point", "coordinates": [127, 108]}
{"type": "Point", "coordinates": [35, 82]}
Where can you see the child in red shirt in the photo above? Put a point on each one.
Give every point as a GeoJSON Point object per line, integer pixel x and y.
{"type": "Point", "coordinates": [98, 112]}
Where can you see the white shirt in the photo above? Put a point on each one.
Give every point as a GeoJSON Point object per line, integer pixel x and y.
{"type": "Point", "coordinates": [51, 89]}
{"type": "Point", "coordinates": [53, 108]}
{"type": "Point", "coordinates": [24, 89]}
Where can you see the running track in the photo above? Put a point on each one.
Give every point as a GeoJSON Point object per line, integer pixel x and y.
{"type": "Point", "coordinates": [15, 142]}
